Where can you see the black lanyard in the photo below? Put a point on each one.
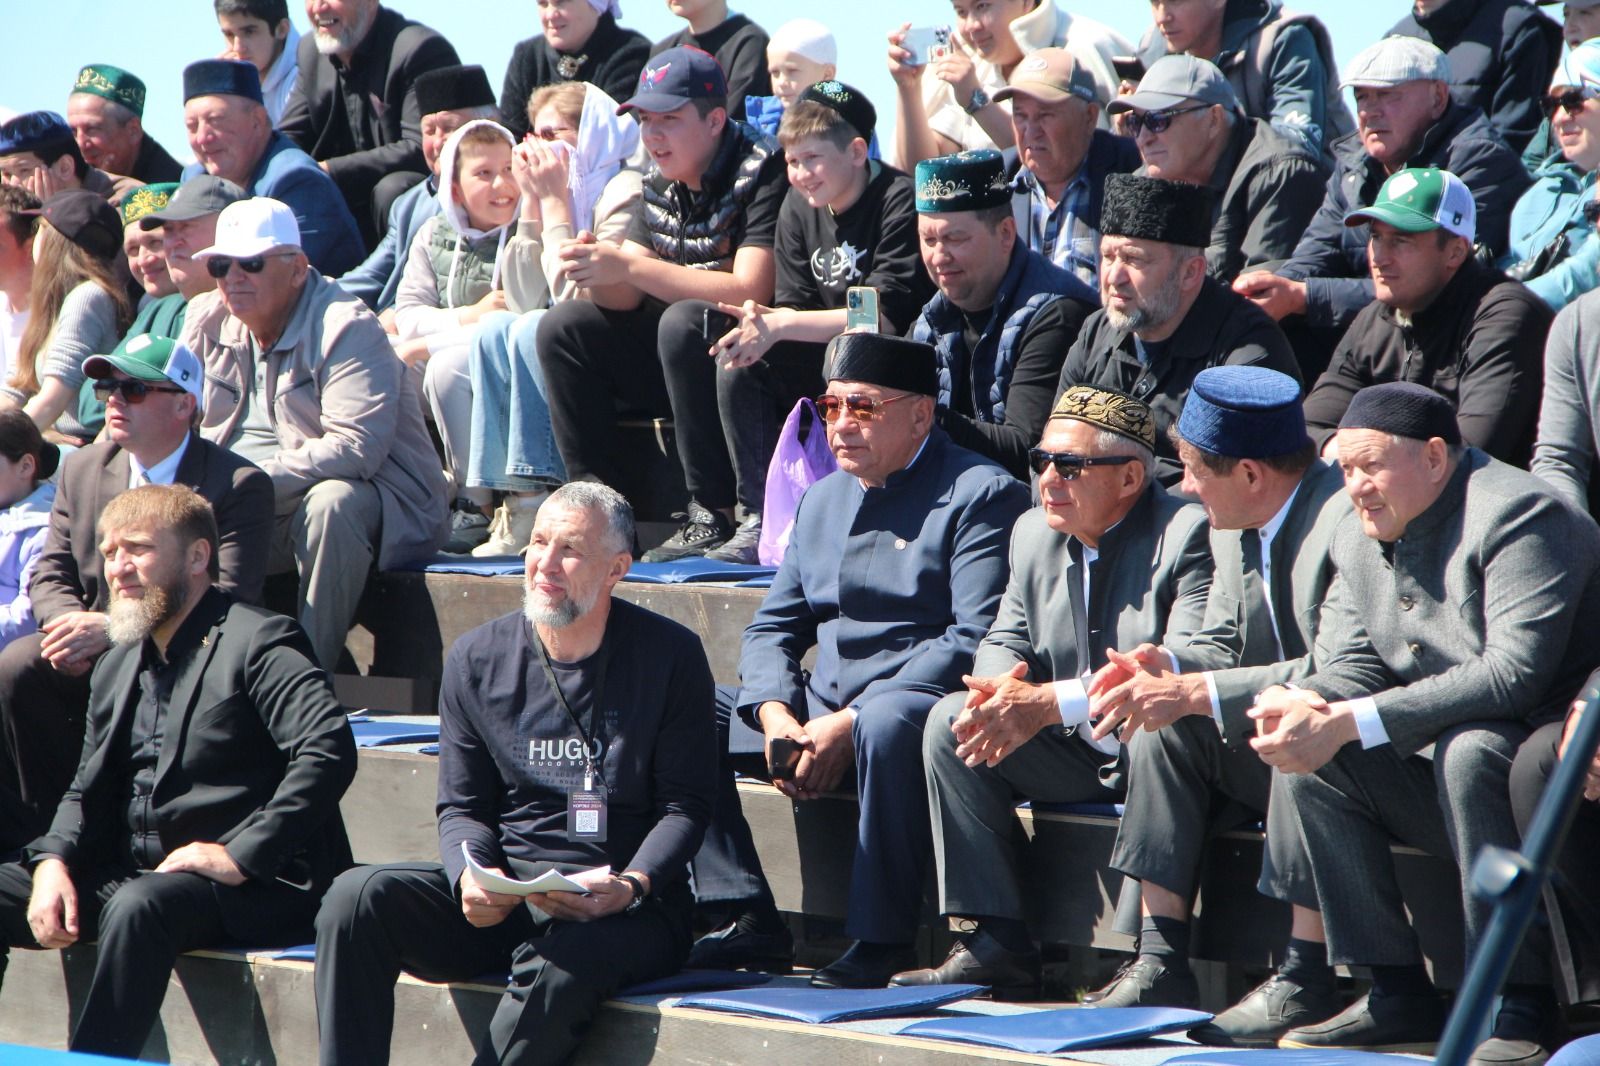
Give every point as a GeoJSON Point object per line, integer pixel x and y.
{"type": "Point", "coordinates": [591, 770]}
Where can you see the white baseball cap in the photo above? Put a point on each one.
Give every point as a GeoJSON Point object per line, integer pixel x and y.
{"type": "Point", "coordinates": [253, 227]}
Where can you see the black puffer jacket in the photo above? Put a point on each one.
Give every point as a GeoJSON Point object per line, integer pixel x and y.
{"type": "Point", "coordinates": [704, 228]}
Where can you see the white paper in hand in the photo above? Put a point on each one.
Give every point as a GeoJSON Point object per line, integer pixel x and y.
{"type": "Point", "coordinates": [549, 881]}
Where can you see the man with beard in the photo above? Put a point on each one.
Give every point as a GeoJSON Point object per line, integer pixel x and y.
{"type": "Point", "coordinates": [1162, 318]}
{"type": "Point", "coordinates": [206, 808]}
{"type": "Point", "coordinates": [151, 390]}
{"type": "Point", "coordinates": [578, 707]}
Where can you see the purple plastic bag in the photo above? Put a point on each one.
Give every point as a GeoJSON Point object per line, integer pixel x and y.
{"type": "Point", "coordinates": [801, 458]}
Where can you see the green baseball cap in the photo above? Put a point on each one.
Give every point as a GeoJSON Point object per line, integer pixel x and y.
{"type": "Point", "coordinates": [111, 83]}
{"type": "Point", "coordinates": [1419, 199]}
{"type": "Point", "coordinates": [148, 357]}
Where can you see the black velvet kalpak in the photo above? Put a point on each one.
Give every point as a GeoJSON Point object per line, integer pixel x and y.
{"type": "Point", "coordinates": [452, 89]}
{"type": "Point", "coordinates": [1174, 212]}
{"type": "Point", "coordinates": [884, 360]}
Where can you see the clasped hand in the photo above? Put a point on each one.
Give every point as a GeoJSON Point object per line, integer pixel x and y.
{"type": "Point", "coordinates": [1001, 714]}
{"type": "Point", "coordinates": [1298, 730]}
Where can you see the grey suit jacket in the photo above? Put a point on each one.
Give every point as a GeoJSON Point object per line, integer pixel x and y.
{"type": "Point", "coordinates": [1486, 609]}
{"type": "Point", "coordinates": [1149, 584]}
{"type": "Point", "coordinates": [1301, 571]}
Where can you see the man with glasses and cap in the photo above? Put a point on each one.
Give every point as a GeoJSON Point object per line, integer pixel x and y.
{"type": "Point", "coordinates": [152, 393]}
{"type": "Point", "coordinates": [301, 380]}
{"type": "Point", "coordinates": [1441, 319]}
{"type": "Point", "coordinates": [1190, 127]}
{"type": "Point", "coordinates": [1163, 318]}
{"type": "Point", "coordinates": [106, 112]}
{"type": "Point", "coordinates": [1109, 558]}
{"type": "Point", "coordinates": [894, 571]}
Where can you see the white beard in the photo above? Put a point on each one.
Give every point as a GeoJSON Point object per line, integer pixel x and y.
{"type": "Point", "coordinates": [538, 612]}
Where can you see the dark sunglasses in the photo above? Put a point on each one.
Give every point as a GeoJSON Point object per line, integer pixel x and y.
{"type": "Point", "coordinates": [862, 408]}
{"type": "Point", "coordinates": [1069, 464]}
{"type": "Point", "coordinates": [1570, 101]}
{"type": "Point", "coordinates": [1158, 121]}
{"type": "Point", "coordinates": [132, 391]}
{"type": "Point", "coordinates": [219, 265]}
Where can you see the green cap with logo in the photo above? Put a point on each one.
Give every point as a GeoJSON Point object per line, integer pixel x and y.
{"type": "Point", "coordinates": [148, 357]}
{"type": "Point", "coordinates": [1419, 199]}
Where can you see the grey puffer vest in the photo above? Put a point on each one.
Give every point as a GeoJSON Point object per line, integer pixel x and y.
{"type": "Point", "coordinates": [473, 264]}
{"type": "Point", "coordinates": [703, 229]}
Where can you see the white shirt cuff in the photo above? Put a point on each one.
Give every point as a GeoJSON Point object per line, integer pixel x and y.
{"type": "Point", "coordinates": [1369, 724]}
{"type": "Point", "coordinates": [1172, 658]}
{"type": "Point", "coordinates": [1216, 700]}
{"type": "Point", "coordinates": [1073, 699]}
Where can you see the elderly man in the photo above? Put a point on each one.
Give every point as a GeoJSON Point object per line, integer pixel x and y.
{"type": "Point", "coordinates": [301, 380]}
{"type": "Point", "coordinates": [580, 41]}
{"type": "Point", "coordinates": [1163, 319]}
{"type": "Point", "coordinates": [232, 138]}
{"type": "Point", "coordinates": [580, 704]}
{"type": "Point", "coordinates": [39, 153]}
{"type": "Point", "coordinates": [448, 98]}
{"type": "Point", "coordinates": [894, 571]}
{"type": "Point", "coordinates": [1273, 510]}
{"type": "Point", "coordinates": [354, 105]}
{"type": "Point", "coordinates": [1189, 127]}
{"type": "Point", "coordinates": [1405, 118]}
{"type": "Point", "coordinates": [1003, 316]}
{"type": "Point", "coordinates": [206, 809]}
{"type": "Point", "coordinates": [1464, 614]}
{"type": "Point", "coordinates": [151, 391]}
{"type": "Point", "coordinates": [19, 221]}
{"type": "Point", "coordinates": [1062, 159]}
{"type": "Point", "coordinates": [106, 112]}
{"type": "Point", "coordinates": [1109, 558]}
{"type": "Point", "coordinates": [1441, 319]}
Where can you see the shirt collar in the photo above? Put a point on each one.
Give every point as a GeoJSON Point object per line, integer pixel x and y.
{"type": "Point", "coordinates": [161, 473]}
{"type": "Point", "coordinates": [1274, 524]}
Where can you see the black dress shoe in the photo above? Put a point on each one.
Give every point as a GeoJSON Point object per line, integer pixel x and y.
{"type": "Point", "coordinates": [1149, 983]}
{"type": "Point", "coordinates": [1404, 1024]}
{"type": "Point", "coordinates": [980, 960]}
{"type": "Point", "coordinates": [865, 965]}
{"type": "Point", "coordinates": [1499, 1051]}
{"type": "Point", "coordinates": [1271, 1009]}
{"type": "Point", "coordinates": [1105, 990]}
{"type": "Point", "coordinates": [732, 948]}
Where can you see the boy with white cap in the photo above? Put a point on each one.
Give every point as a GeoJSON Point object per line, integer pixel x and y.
{"type": "Point", "coordinates": [802, 52]}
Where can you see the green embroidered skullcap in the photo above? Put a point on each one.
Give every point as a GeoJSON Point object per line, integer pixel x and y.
{"type": "Point", "coordinates": [147, 200]}
{"type": "Point", "coordinates": [966, 181]}
{"type": "Point", "coordinates": [112, 83]}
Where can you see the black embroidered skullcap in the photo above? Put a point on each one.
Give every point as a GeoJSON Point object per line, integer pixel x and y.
{"type": "Point", "coordinates": [1152, 209]}
{"type": "Point", "coordinates": [884, 360]}
{"type": "Point", "coordinates": [1405, 409]}
{"type": "Point", "coordinates": [1108, 409]}
{"type": "Point", "coordinates": [849, 103]}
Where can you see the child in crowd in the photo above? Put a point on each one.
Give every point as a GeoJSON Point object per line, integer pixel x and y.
{"type": "Point", "coordinates": [574, 179]}
{"type": "Point", "coordinates": [847, 221]}
{"type": "Point", "coordinates": [801, 53]}
{"type": "Point", "coordinates": [27, 462]}
{"type": "Point", "coordinates": [451, 280]}
{"type": "Point", "coordinates": [739, 45]}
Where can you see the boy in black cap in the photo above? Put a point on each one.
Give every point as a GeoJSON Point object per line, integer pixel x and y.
{"type": "Point", "coordinates": [847, 221]}
{"type": "Point", "coordinates": [38, 152]}
{"type": "Point", "coordinates": [702, 237]}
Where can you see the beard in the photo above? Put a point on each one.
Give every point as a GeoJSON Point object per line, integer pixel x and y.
{"type": "Point", "coordinates": [1156, 309]}
{"type": "Point", "coordinates": [129, 621]}
{"type": "Point", "coordinates": [346, 39]}
{"type": "Point", "coordinates": [540, 612]}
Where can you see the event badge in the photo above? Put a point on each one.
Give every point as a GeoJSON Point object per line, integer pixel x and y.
{"type": "Point", "coordinates": [586, 812]}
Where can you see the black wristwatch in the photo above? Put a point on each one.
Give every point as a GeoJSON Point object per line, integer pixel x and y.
{"type": "Point", "coordinates": [979, 101]}
{"type": "Point", "coordinates": [638, 892]}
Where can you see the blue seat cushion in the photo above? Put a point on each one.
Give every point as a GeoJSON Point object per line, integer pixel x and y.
{"type": "Point", "coordinates": [697, 981]}
{"type": "Point", "coordinates": [818, 1005]}
{"type": "Point", "coordinates": [1049, 1032]}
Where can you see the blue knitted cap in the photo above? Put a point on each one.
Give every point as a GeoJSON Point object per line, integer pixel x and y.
{"type": "Point", "coordinates": [1244, 412]}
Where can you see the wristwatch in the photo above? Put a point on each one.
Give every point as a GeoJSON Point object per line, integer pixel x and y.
{"type": "Point", "coordinates": [979, 101]}
{"type": "Point", "coordinates": [638, 892]}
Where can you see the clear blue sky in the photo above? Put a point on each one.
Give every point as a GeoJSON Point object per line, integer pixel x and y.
{"type": "Point", "coordinates": [48, 40]}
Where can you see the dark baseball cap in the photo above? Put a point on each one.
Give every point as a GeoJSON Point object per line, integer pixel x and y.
{"type": "Point", "coordinates": [85, 219]}
{"type": "Point", "coordinates": [676, 77]}
{"type": "Point", "coordinates": [201, 195]}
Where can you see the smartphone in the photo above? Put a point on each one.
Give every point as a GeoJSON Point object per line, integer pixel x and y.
{"type": "Point", "coordinates": [926, 43]}
{"type": "Point", "coordinates": [861, 309]}
{"type": "Point", "coordinates": [715, 324]}
{"type": "Point", "coordinates": [1128, 68]}
{"type": "Point", "coordinates": [783, 755]}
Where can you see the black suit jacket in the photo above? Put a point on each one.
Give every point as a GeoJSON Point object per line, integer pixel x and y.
{"type": "Point", "coordinates": [70, 574]}
{"type": "Point", "coordinates": [255, 754]}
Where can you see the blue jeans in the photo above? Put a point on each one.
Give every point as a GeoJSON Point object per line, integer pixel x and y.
{"type": "Point", "coordinates": [513, 447]}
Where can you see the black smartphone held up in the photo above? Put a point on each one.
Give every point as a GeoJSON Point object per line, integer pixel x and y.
{"type": "Point", "coordinates": [783, 755]}
{"type": "Point", "coordinates": [714, 325]}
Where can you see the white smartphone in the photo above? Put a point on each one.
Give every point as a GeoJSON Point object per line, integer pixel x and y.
{"type": "Point", "coordinates": [861, 309]}
{"type": "Point", "coordinates": [926, 43]}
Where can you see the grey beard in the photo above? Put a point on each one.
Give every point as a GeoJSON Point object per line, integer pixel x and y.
{"type": "Point", "coordinates": [1157, 309]}
{"type": "Point", "coordinates": [130, 621]}
{"type": "Point", "coordinates": [559, 617]}
{"type": "Point", "coordinates": [332, 43]}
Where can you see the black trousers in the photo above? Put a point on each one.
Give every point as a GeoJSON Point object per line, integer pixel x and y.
{"type": "Point", "coordinates": [143, 922]}
{"type": "Point", "coordinates": [380, 920]}
{"type": "Point", "coordinates": [1572, 901]}
{"type": "Point", "coordinates": [42, 713]}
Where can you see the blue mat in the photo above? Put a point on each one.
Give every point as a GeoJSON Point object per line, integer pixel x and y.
{"type": "Point", "coordinates": [1047, 1032]}
{"type": "Point", "coordinates": [17, 1055]}
{"type": "Point", "coordinates": [443, 563]}
{"type": "Point", "coordinates": [1285, 1057]}
{"type": "Point", "coordinates": [697, 981]}
{"type": "Point", "coordinates": [818, 1005]}
{"type": "Point", "coordinates": [298, 953]}
{"type": "Point", "coordinates": [375, 732]}
{"type": "Point", "coordinates": [700, 569]}
{"type": "Point", "coordinates": [1104, 810]}
{"type": "Point", "coordinates": [1585, 1051]}
{"type": "Point", "coordinates": [428, 749]}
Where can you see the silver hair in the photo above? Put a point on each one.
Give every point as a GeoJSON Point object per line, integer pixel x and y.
{"type": "Point", "coordinates": [121, 114]}
{"type": "Point", "coordinates": [1108, 443]}
{"type": "Point", "coordinates": [592, 495]}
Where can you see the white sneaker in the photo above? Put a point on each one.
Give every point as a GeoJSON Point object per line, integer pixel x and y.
{"type": "Point", "coordinates": [511, 528]}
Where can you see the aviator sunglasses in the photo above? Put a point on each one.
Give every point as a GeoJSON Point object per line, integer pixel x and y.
{"type": "Point", "coordinates": [862, 408]}
{"type": "Point", "coordinates": [1570, 101]}
{"type": "Point", "coordinates": [1158, 121]}
{"type": "Point", "coordinates": [219, 265]}
{"type": "Point", "coordinates": [132, 391]}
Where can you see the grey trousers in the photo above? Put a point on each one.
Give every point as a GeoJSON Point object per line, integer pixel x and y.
{"type": "Point", "coordinates": [329, 536]}
{"type": "Point", "coordinates": [1350, 811]}
{"type": "Point", "coordinates": [447, 388]}
{"type": "Point", "coordinates": [974, 808]}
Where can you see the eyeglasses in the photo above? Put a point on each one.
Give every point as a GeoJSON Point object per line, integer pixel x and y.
{"type": "Point", "coordinates": [1158, 121]}
{"type": "Point", "coordinates": [862, 408]}
{"type": "Point", "coordinates": [132, 391]}
{"type": "Point", "coordinates": [551, 133]}
{"type": "Point", "coordinates": [219, 265]}
{"type": "Point", "coordinates": [1069, 464]}
{"type": "Point", "coordinates": [1570, 101]}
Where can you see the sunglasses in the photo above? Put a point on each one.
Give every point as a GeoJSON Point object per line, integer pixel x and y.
{"type": "Point", "coordinates": [1158, 121]}
{"type": "Point", "coordinates": [862, 408]}
{"type": "Point", "coordinates": [1570, 101]}
{"type": "Point", "coordinates": [551, 133]}
{"type": "Point", "coordinates": [132, 391]}
{"type": "Point", "coordinates": [219, 265]}
{"type": "Point", "coordinates": [1069, 464]}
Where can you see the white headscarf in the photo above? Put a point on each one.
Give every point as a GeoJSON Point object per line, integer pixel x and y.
{"type": "Point", "coordinates": [456, 215]}
{"type": "Point", "coordinates": [607, 7]}
{"type": "Point", "coordinates": [605, 142]}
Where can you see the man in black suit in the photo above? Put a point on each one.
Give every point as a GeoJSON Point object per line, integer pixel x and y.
{"type": "Point", "coordinates": [206, 808]}
{"type": "Point", "coordinates": [151, 390]}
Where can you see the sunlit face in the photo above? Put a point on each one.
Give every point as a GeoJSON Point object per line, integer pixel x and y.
{"type": "Point", "coordinates": [1226, 497]}
{"type": "Point", "coordinates": [339, 25]}
{"type": "Point", "coordinates": [692, 9]}
{"type": "Point", "coordinates": [1393, 120]}
{"type": "Point", "coordinates": [551, 125]}
{"type": "Point", "coordinates": [1409, 270]}
{"type": "Point", "coordinates": [1579, 24]}
{"type": "Point", "coordinates": [567, 24]}
{"type": "Point", "coordinates": [1141, 284]}
{"type": "Point", "coordinates": [1179, 152]}
{"type": "Point", "coordinates": [436, 129]}
{"type": "Point", "coordinates": [680, 142]}
{"type": "Point", "coordinates": [154, 418]}
{"type": "Point", "coordinates": [1390, 479]}
{"type": "Point", "coordinates": [17, 168]}
{"type": "Point", "coordinates": [792, 73]}
{"type": "Point", "coordinates": [986, 26]}
{"type": "Point", "coordinates": [16, 257]}
{"type": "Point", "coordinates": [146, 260]}
{"type": "Point", "coordinates": [250, 40]}
{"type": "Point", "coordinates": [1577, 134]}
{"type": "Point", "coordinates": [150, 574]}
{"type": "Point", "coordinates": [485, 187]}
{"type": "Point", "coordinates": [825, 174]}
{"type": "Point", "coordinates": [1092, 502]}
{"type": "Point", "coordinates": [1185, 23]}
{"type": "Point", "coordinates": [873, 448]}
{"type": "Point", "coordinates": [227, 135]}
{"type": "Point", "coordinates": [16, 478]}
{"type": "Point", "coordinates": [966, 256]}
{"type": "Point", "coordinates": [1052, 137]}
{"type": "Point", "coordinates": [263, 301]}
{"type": "Point", "coordinates": [569, 565]}
{"type": "Point", "coordinates": [179, 241]}
{"type": "Point", "coordinates": [104, 139]}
